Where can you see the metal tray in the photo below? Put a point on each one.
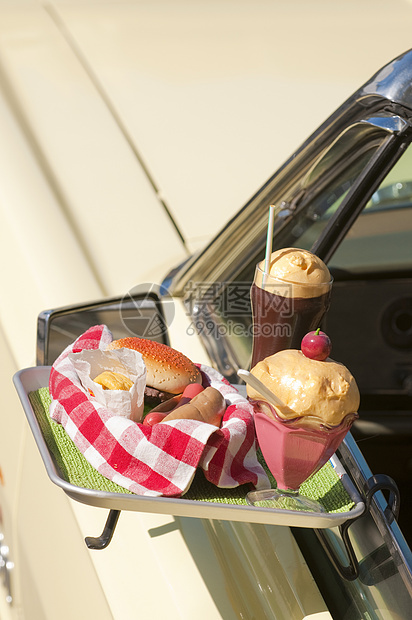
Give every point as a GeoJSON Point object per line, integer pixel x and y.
{"type": "Point", "coordinates": [31, 379]}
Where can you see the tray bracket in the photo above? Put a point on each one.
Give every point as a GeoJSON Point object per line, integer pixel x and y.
{"type": "Point", "coordinates": [378, 482]}
{"type": "Point", "coordinates": [102, 541]}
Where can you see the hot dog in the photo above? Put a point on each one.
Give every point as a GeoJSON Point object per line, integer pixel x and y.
{"type": "Point", "coordinates": [180, 399]}
{"type": "Point", "coordinates": [157, 414]}
{"type": "Point", "coordinates": [208, 406]}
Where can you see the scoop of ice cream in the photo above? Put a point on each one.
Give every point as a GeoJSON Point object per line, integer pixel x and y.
{"type": "Point", "coordinates": [326, 390]}
{"type": "Point", "coordinates": [307, 273]}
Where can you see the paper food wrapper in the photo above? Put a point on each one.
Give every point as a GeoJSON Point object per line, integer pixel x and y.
{"type": "Point", "coordinates": [127, 403]}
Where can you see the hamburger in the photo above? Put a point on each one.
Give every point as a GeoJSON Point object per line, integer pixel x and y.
{"type": "Point", "coordinates": [168, 370]}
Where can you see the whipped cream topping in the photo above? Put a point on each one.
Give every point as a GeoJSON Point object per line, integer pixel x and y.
{"type": "Point", "coordinates": [325, 390]}
{"type": "Point", "coordinates": [294, 273]}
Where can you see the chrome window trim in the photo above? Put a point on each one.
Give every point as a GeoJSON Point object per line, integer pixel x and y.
{"type": "Point", "coordinates": [245, 234]}
{"type": "Point", "coordinates": [384, 102]}
{"type": "Point", "coordinates": [224, 266]}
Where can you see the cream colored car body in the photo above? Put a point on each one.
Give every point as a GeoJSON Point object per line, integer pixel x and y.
{"type": "Point", "coordinates": [112, 114]}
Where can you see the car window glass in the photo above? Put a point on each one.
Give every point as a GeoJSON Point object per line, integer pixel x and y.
{"type": "Point", "coordinates": [386, 215]}
{"type": "Point", "coordinates": [381, 238]}
{"type": "Point", "coordinates": [386, 221]}
{"type": "Point", "coordinates": [325, 194]}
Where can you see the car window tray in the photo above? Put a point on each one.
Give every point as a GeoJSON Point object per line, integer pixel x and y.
{"type": "Point", "coordinates": [31, 379]}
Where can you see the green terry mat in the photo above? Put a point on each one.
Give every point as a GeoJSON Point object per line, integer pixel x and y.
{"type": "Point", "coordinates": [325, 486]}
{"type": "Point", "coordinates": [71, 463]}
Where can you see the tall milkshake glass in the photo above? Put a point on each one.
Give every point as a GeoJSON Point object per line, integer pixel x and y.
{"type": "Point", "coordinates": [287, 301]}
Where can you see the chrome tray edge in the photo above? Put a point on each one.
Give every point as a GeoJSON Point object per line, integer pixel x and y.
{"type": "Point", "coordinates": [31, 379]}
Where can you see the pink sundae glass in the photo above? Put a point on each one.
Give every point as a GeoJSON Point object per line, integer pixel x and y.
{"type": "Point", "coordinates": [321, 401]}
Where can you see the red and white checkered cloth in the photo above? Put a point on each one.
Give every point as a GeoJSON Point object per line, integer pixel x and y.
{"type": "Point", "coordinates": [158, 460]}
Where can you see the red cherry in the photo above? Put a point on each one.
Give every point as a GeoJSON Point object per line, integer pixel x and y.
{"type": "Point", "coordinates": [316, 345]}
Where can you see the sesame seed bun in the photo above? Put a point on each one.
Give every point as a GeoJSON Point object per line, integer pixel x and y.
{"type": "Point", "coordinates": [168, 370]}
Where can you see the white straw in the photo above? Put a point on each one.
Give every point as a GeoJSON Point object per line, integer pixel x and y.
{"type": "Point", "coordinates": [269, 238]}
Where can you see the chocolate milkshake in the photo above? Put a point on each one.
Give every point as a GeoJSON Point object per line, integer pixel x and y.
{"type": "Point", "coordinates": [288, 301]}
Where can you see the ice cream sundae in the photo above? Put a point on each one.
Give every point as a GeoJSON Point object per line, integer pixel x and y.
{"type": "Point", "coordinates": [320, 402]}
{"type": "Point", "coordinates": [317, 394]}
